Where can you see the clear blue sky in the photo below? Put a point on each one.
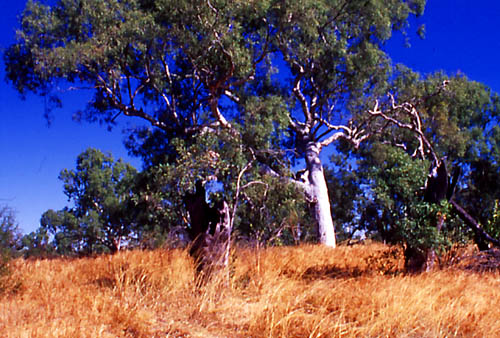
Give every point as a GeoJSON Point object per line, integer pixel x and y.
{"type": "Point", "coordinates": [461, 35]}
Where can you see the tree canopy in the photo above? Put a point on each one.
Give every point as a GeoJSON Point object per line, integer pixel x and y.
{"type": "Point", "coordinates": [10, 234]}
{"type": "Point", "coordinates": [238, 92]}
{"type": "Point", "coordinates": [10, 241]}
{"type": "Point", "coordinates": [283, 78]}
{"type": "Point", "coordinates": [99, 220]}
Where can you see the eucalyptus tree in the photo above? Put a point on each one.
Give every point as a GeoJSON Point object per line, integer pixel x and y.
{"type": "Point", "coordinates": [10, 241]}
{"type": "Point", "coordinates": [284, 78]}
{"type": "Point", "coordinates": [456, 123]}
{"type": "Point", "coordinates": [99, 219]}
{"type": "Point", "coordinates": [10, 234]}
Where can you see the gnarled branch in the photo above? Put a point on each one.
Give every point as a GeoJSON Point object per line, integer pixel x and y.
{"type": "Point", "coordinates": [415, 125]}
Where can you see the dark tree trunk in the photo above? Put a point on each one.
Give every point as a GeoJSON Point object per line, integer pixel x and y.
{"type": "Point", "coordinates": [437, 188]}
{"type": "Point", "coordinates": [210, 232]}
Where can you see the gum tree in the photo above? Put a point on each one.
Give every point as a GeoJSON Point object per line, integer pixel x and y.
{"type": "Point", "coordinates": [284, 78]}
{"type": "Point", "coordinates": [99, 219]}
{"type": "Point", "coordinates": [455, 121]}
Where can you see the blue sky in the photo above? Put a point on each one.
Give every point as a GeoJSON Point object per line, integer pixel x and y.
{"type": "Point", "coordinates": [462, 35]}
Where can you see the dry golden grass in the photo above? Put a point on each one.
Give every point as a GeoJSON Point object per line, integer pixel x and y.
{"type": "Point", "coordinates": [305, 291]}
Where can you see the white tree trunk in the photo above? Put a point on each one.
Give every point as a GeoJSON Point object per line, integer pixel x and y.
{"type": "Point", "coordinates": [319, 192]}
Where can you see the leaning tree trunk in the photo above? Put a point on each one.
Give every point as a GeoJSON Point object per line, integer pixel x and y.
{"type": "Point", "coordinates": [318, 191]}
{"type": "Point", "coordinates": [481, 235]}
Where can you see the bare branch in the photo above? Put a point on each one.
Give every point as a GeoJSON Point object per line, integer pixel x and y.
{"type": "Point", "coordinates": [214, 105]}
{"type": "Point", "coordinates": [301, 185]}
{"type": "Point", "coordinates": [104, 85]}
{"type": "Point", "coordinates": [130, 95]}
{"type": "Point", "coordinates": [415, 125]}
{"type": "Point", "coordinates": [97, 206]}
{"type": "Point", "coordinates": [238, 189]}
{"type": "Point", "coordinates": [334, 137]}
{"type": "Point", "coordinates": [265, 49]}
{"type": "Point", "coordinates": [212, 8]}
{"type": "Point", "coordinates": [253, 183]}
{"type": "Point", "coordinates": [472, 223]}
{"type": "Point", "coordinates": [300, 96]}
{"type": "Point", "coordinates": [332, 127]}
{"type": "Point", "coordinates": [172, 106]}
{"type": "Point", "coordinates": [397, 145]}
{"type": "Point", "coordinates": [350, 132]}
{"type": "Point", "coordinates": [295, 125]}
{"type": "Point", "coordinates": [232, 96]}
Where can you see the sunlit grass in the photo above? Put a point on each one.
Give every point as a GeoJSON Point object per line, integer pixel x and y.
{"type": "Point", "coordinates": [305, 291]}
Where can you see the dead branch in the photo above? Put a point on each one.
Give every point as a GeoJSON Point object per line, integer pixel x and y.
{"type": "Point", "coordinates": [415, 125]}
{"type": "Point", "coordinates": [300, 96]}
{"type": "Point", "coordinates": [350, 132]}
{"type": "Point", "coordinates": [473, 224]}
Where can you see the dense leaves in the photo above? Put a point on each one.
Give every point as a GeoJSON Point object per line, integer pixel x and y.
{"type": "Point", "coordinates": [10, 233]}
{"type": "Point", "coordinates": [397, 212]}
{"type": "Point", "coordinates": [273, 75]}
{"type": "Point", "coordinates": [263, 208]}
{"type": "Point", "coordinates": [10, 243]}
{"type": "Point", "coordinates": [458, 119]}
{"type": "Point", "coordinates": [100, 219]}
{"type": "Point", "coordinates": [235, 93]}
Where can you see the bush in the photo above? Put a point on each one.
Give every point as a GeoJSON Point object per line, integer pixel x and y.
{"type": "Point", "coordinates": [10, 238]}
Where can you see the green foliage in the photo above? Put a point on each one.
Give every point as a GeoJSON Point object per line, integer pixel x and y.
{"type": "Point", "coordinates": [180, 65]}
{"type": "Point", "coordinates": [10, 240]}
{"type": "Point", "coordinates": [100, 219]}
{"type": "Point", "coordinates": [274, 212]}
{"type": "Point", "coordinates": [398, 176]}
{"type": "Point", "coordinates": [459, 119]}
{"type": "Point", "coordinates": [229, 85]}
{"type": "Point", "coordinates": [398, 212]}
{"type": "Point", "coordinates": [492, 226]}
{"type": "Point", "coordinates": [418, 227]}
{"type": "Point", "coordinates": [9, 232]}
{"type": "Point", "coordinates": [266, 207]}
{"type": "Point", "coordinates": [38, 244]}
{"type": "Point", "coordinates": [482, 191]}
{"type": "Point", "coordinates": [395, 180]}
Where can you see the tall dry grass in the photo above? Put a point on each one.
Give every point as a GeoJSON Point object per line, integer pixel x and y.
{"type": "Point", "coordinates": [305, 291]}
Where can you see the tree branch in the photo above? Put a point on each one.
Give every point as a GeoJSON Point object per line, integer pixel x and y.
{"type": "Point", "coordinates": [415, 126]}
{"type": "Point", "coordinates": [350, 132]}
{"type": "Point", "coordinates": [172, 106]}
{"type": "Point", "coordinates": [302, 185]}
{"type": "Point", "coordinates": [300, 96]}
{"type": "Point", "coordinates": [214, 105]}
{"type": "Point", "coordinates": [471, 222]}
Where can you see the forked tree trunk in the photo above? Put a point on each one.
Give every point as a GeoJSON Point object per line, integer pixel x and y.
{"type": "Point", "coordinates": [318, 191]}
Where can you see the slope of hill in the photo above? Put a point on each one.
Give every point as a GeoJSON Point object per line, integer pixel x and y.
{"type": "Point", "coordinates": [305, 291]}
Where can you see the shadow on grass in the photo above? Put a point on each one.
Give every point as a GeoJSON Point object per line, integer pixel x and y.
{"type": "Point", "coordinates": [333, 272]}
{"type": "Point", "coordinates": [482, 261]}
{"type": "Point", "coordinates": [388, 262]}
{"type": "Point", "coordinates": [329, 271]}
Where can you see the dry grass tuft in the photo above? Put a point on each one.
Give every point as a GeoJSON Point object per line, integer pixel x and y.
{"type": "Point", "coordinates": [305, 291]}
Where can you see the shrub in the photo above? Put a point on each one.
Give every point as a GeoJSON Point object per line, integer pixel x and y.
{"type": "Point", "coordinates": [10, 238]}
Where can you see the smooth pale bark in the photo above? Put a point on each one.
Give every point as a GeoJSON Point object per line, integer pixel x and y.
{"type": "Point", "coordinates": [319, 193]}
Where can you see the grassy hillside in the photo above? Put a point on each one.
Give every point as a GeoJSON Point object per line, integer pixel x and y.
{"type": "Point", "coordinates": [306, 291]}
